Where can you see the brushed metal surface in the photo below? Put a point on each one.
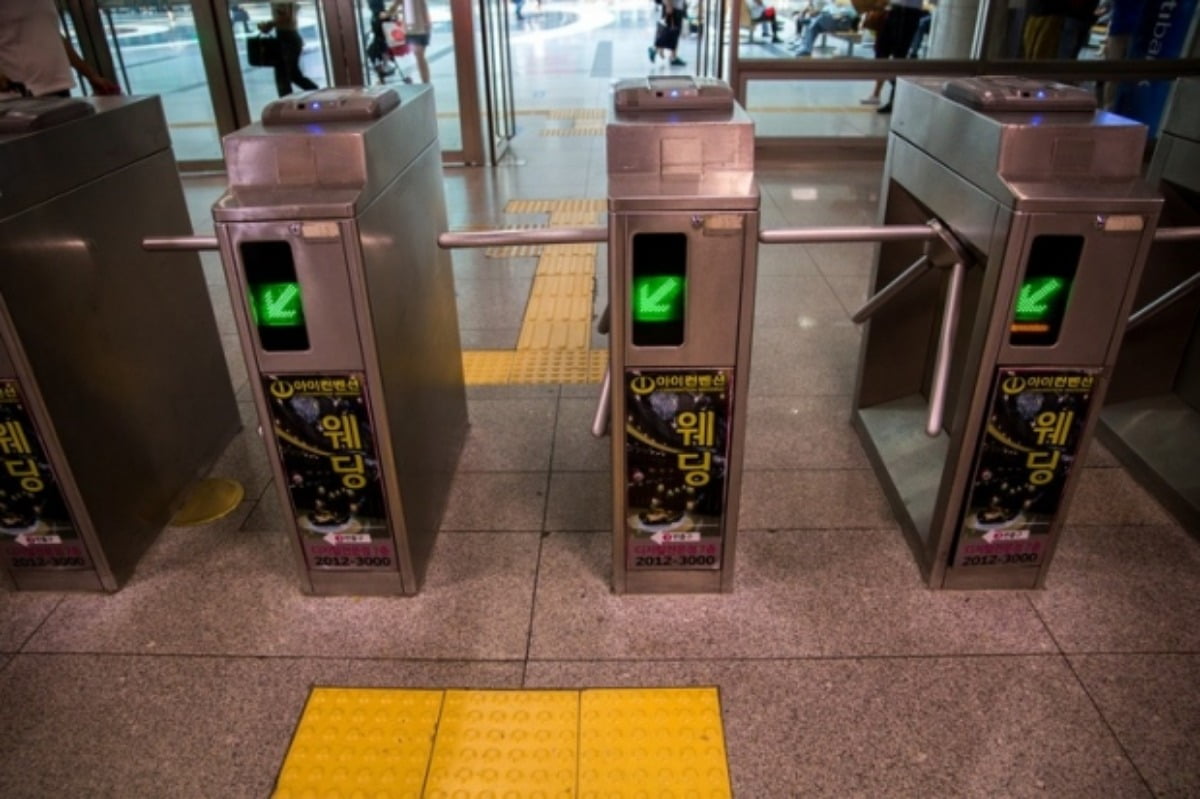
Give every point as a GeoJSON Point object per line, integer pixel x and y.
{"type": "Point", "coordinates": [997, 181]}
{"type": "Point", "coordinates": [689, 172]}
{"type": "Point", "coordinates": [121, 343]}
{"type": "Point", "coordinates": [361, 205]}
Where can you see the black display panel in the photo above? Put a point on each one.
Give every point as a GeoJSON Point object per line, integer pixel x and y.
{"type": "Point", "coordinates": [276, 302]}
{"type": "Point", "coordinates": [658, 289]}
{"type": "Point", "coordinates": [1045, 290]}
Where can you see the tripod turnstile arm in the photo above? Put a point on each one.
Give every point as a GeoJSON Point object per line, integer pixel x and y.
{"type": "Point", "coordinates": [179, 243]}
{"type": "Point", "coordinates": [834, 235]}
{"type": "Point", "coordinates": [881, 297]}
{"type": "Point", "coordinates": [515, 238]}
{"type": "Point", "coordinates": [1177, 233]}
{"type": "Point", "coordinates": [941, 364]}
{"type": "Point", "coordinates": [1162, 303]}
{"type": "Point", "coordinates": [603, 406]}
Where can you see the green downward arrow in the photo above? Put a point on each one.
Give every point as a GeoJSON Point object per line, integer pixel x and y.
{"type": "Point", "coordinates": [279, 304]}
{"type": "Point", "coordinates": [1035, 297]}
{"type": "Point", "coordinates": [655, 298]}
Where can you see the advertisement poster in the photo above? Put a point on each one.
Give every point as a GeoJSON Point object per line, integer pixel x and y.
{"type": "Point", "coordinates": [326, 443]}
{"type": "Point", "coordinates": [36, 530]}
{"type": "Point", "coordinates": [676, 453]}
{"type": "Point", "coordinates": [1028, 449]}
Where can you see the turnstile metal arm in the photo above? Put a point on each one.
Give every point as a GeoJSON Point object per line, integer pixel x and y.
{"type": "Point", "coordinates": [179, 243]}
{"type": "Point", "coordinates": [941, 364]}
{"type": "Point", "coordinates": [1157, 306]}
{"type": "Point", "coordinates": [513, 238]}
{"type": "Point", "coordinates": [1176, 233]}
{"type": "Point", "coordinates": [603, 406]}
{"type": "Point", "coordinates": [834, 235]}
{"type": "Point", "coordinates": [881, 297]}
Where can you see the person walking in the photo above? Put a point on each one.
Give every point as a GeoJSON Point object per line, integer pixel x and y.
{"type": "Point", "coordinates": [417, 28]}
{"type": "Point", "coordinates": [667, 31]}
{"type": "Point", "coordinates": [287, 69]}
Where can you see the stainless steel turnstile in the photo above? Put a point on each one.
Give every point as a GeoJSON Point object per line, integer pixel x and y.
{"type": "Point", "coordinates": [1048, 225]}
{"type": "Point", "coordinates": [1152, 419]}
{"type": "Point", "coordinates": [114, 393]}
{"type": "Point", "coordinates": [347, 315]}
{"type": "Point", "coordinates": [683, 223]}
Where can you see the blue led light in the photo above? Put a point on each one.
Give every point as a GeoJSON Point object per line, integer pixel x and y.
{"type": "Point", "coordinates": [316, 106]}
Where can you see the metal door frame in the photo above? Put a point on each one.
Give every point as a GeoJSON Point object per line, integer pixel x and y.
{"type": "Point", "coordinates": [500, 111]}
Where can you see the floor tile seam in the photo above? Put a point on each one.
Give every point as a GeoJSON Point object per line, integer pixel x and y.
{"type": "Point", "coordinates": [537, 567]}
{"type": "Point", "coordinates": [272, 657]}
{"type": "Point", "coordinates": [786, 659]}
{"type": "Point", "coordinates": [45, 620]}
{"type": "Point", "coordinates": [1107, 724]}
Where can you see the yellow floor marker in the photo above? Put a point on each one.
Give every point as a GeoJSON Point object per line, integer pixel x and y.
{"type": "Point", "coordinates": [361, 742]}
{"type": "Point", "coordinates": [659, 743]}
{"type": "Point", "coordinates": [508, 743]}
{"type": "Point", "coordinates": [647, 743]}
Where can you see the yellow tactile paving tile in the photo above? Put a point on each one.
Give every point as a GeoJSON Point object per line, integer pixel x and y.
{"type": "Point", "coordinates": [568, 132]}
{"type": "Point", "coordinates": [361, 742]}
{"type": "Point", "coordinates": [604, 743]}
{"type": "Point", "coordinates": [508, 743]}
{"type": "Point", "coordinates": [656, 743]}
{"type": "Point", "coordinates": [578, 113]}
{"type": "Point", "coordinates": [547, 206]}
{"type": "Point", "coordinates": [487, 367]}
{"type": "Point", "coordinates": [532, 367]}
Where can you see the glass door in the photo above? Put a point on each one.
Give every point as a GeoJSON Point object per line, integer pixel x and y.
{"type": "Point", "coordinates": [711, 16]}
{"type": "Point", "coordinates": [193, 55]}
{"type": "Point", "coordinates": [497, 76]}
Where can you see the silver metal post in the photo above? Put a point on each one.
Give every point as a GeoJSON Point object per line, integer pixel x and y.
{"type": "Point", "coordinates": [941, 367]}
{"type": "Point", "coordinates": [603, 406]}
{"type": "Point", "coordinates": [179, 243]}
{"type": "Point", "coordinates": [831, 235]}
{"type": "Point", "coordinates": [510, 238]}
{"type": "Point", "coordinates": [881, 297]}
{"type": "Point", "coordinates": [1155, 307]}
{"type": "Point", "coordinates": [1176, 233]}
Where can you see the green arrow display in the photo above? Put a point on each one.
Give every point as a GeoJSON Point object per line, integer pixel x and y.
{"type": "Point", "coordinates": [1036, 297]}
{"type": "Point", "coordinates": [278, 305]}
{"type": "Point", "coordinates": [657, 298]}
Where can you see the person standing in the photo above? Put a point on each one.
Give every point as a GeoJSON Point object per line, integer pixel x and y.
{"type": "Point", "coordinates": [895, 41]}
{"type": "Point", "coordinates": [417, 29]}
{"type": "Point", "coordinates": [291, 45]}
{"type": "Point", "coordinates": [35, 58]}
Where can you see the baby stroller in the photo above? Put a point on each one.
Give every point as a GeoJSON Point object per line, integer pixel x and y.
{"type": "Point", "coordinates": [387, 41]}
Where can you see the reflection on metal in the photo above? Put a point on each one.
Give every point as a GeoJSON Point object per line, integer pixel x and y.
{"type": "Point", "coordinates": [209, 500]}
{"type": "Point", "coordinates": [941, 362]}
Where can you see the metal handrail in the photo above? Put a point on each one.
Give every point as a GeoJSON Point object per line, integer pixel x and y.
{"type": "Point", "coordinates": [179, 243]}
{"type": "Point", "coordinates": [511, 238]}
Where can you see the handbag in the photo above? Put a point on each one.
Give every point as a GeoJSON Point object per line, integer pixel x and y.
{"type": "Point", "coordinates": [263, 51]}
{"type": "Point", "coordinates": [396, 36]}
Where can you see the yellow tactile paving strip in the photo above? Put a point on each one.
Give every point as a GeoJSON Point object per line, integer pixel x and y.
{"type": "Point", "coordinates": [554, 344]}
{"type": "Point", "coordinates": [603, 743]}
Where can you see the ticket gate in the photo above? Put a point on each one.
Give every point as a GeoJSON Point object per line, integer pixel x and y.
{"type": "Point", "coordinates": [1048, 227]}
{"type": "Point", "coordinates": [1152, 419]}
{"type": "Point", "coordinates": [347, 315]}
{"type": "Point", "coordinates": [114, 393]}
{"type": "Point", "coordinates": [683, 224]}
{"type": "Point", "coordinates": [682, 243]}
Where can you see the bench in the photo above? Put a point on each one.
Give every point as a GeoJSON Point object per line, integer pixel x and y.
{"type": "Point", "coordinates": [851, 38]}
